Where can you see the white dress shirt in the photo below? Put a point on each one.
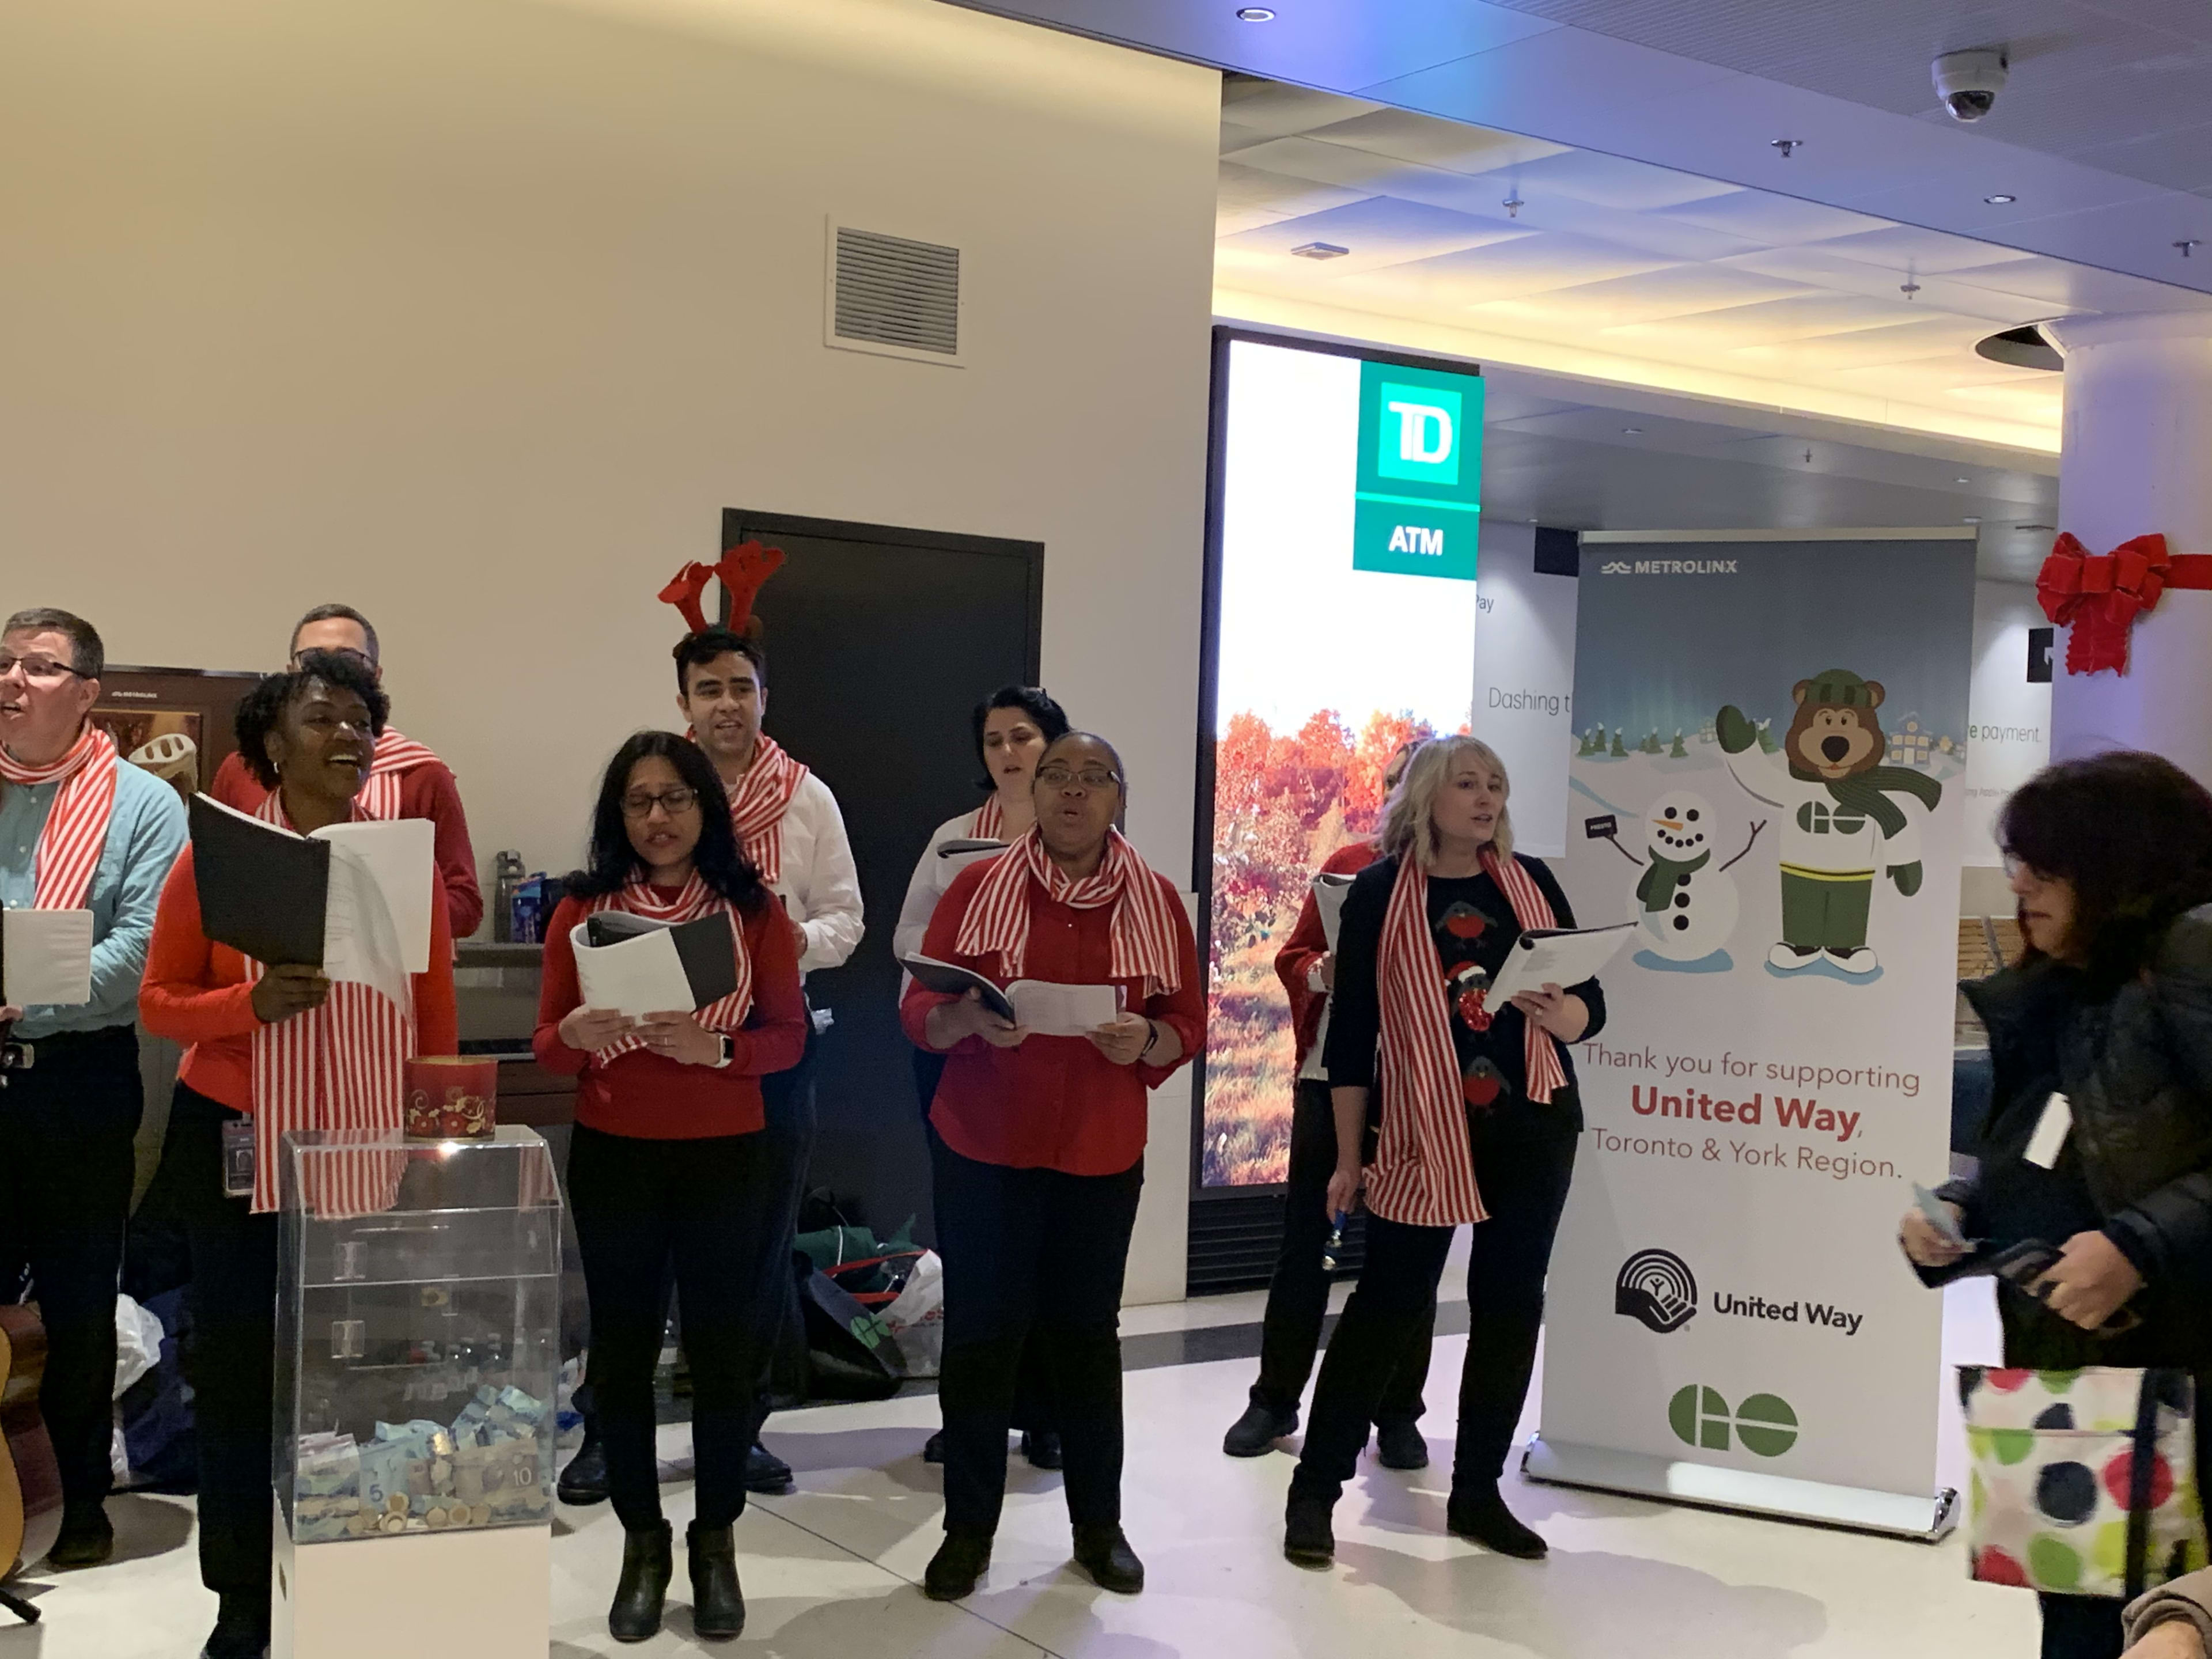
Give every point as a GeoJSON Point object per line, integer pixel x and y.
{"type": "Point", "coordinates": [819, 887]}
{"type": "Point", "coordinates": [931, 877]}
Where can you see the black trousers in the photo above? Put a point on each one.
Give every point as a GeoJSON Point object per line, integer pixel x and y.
{"type": "Point", "coordinates": [699, 1212]}
{"type": "Point", "coordinates": [1031, 1250]}
{"type": "Point", "coordinates": [1524, 1158]}
{"type": "Point", "coordinates": [2082, 1627]}
{"type": "Point", "coordinates": [66, 1126]}
{"type": "Point", "coordinates": [232, 1362]}
{"type": "Point", "coordinates": [1297, 1295]}
{"type": "Point", "coordinates": [791, 1118]}
{"type": "Point", "coordinates": [1032, 1410]}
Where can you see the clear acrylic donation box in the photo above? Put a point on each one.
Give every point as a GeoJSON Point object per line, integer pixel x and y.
{"type": "Point", "coordinates": [418, 1348]}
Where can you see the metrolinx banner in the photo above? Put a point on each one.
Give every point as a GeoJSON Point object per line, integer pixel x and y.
{"type": "Point", "coordinates": [1420, 492]}
{"type": "Point", "coordinates": [1768, 780]}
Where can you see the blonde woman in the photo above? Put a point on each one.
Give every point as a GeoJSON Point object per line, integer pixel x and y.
{"type": "Point", "coordinates": [1478, 1124]}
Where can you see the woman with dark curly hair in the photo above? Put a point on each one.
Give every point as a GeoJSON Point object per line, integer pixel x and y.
{"type": "Point", "coordinates": [309, 735]}
{"type": "Point", "coordinates": [669, 1174]}
{"type": "Point", "coordinates": [2109, 1006]}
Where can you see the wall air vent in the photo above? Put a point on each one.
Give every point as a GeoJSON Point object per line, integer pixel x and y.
{"type": "Point", "coordinates": [893, 295]}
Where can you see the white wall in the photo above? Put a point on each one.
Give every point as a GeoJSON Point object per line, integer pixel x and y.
{"type": "Point", "coordinates": [476, 313]}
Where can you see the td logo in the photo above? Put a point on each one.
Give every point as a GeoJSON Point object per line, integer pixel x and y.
{"type": "Point", "coordinates": [1764, 1425]}
{"type": "Point", "coordinates": [1420, 434]}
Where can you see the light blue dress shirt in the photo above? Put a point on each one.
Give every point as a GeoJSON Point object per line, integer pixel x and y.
{"type": "Point", "coordinates": [143, 839]}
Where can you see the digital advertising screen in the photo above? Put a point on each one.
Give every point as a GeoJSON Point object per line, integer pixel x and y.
{"type": "Point", "coordinates": [1347, 492]}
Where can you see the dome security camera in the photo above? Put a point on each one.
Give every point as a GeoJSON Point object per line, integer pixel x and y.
{"type": "Point", "coordinates": [1968, 82]}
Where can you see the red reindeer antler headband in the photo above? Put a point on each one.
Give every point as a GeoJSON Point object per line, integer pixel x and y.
{"type": "Point", "coordinates": [741, 571]}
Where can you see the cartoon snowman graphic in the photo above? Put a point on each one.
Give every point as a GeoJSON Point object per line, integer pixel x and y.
{"type": "Point", "coordinates": [1684, 904]}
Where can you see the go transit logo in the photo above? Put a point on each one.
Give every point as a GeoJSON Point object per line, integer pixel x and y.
{"type": "Point", "coordinates": [1418, 494]}
{"type": "Point", "coordinates": [1764, 1425]}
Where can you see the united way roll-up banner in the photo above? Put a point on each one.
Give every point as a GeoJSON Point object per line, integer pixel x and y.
{"type": "Point", "coordinates": [1767, 779]}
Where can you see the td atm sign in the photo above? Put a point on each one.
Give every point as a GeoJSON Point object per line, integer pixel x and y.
{"type": "Point", "coordinates": [1420, 471]}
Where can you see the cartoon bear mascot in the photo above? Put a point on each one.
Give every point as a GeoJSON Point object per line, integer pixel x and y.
{"type": "Point", "coordinates": [1840, 822]}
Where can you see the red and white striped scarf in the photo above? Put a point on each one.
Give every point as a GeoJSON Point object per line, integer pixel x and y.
{"type": "Point", "coordinates": [76, 830]}
{"type": "Point", "coordinates": [1424, 1172]}
{"type": "Point", "coordinates": [759, 803]}
{"type": "Point", "coordinates": [394, 756]}
{"type": "Point", "coordinates": [641, 898]}
{"type": "Point", "coordinates": [1143, 926]}
{"type": "Point", "coordinates": [339, 1067]}
{"type": "Point", "coordinates": [990, 822]}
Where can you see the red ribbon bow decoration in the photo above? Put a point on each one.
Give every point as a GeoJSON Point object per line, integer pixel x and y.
{"type": "Point", "coordinates": [741, 571]}
{"type": "Point", "coordinates": [2097, 597]}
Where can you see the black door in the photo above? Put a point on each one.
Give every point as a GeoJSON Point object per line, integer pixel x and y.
{"type": "Point", "coordinates": [879, 643]}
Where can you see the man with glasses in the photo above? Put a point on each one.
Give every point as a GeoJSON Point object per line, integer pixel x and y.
{"type": "Point", "coordinates": [424, 784]}
{"type": "Point", "coordinates": [81, 828]}
{"type": "Point", "coordinates": [790, 829]}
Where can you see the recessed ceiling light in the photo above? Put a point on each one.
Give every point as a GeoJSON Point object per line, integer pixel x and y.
{"type": "Point", "coordinates": [1318, 250]}
{"type": "Point", "coordinates": [1255, 14]}
{"type": "Point", "coordinates": [1971, 518]}
{"type": "Point", "coordinates": [1631, 430]}
{"type": "Point", "coordinates": [1961, 481]}
{"type": "Point", "coordinates": [2000, 199]}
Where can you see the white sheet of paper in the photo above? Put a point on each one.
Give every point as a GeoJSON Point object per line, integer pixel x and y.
{"type": "Point", "coordinates": [361, 942]}
{"type": "Point", "coordinates": [49, 958]}
{"type": "Point", "coordinates": [1328, 891]}
{"type": "Point", "coordinates": [1563, 960]}
{"type": "Point", "coordinates": [2051, 1131]}
{"type": "Point", "coordinates": [1052, 1009]}
{"type": "Point", "coordinates": [401, 854]}
{"type": "Point", "coordinates": [639, 977]}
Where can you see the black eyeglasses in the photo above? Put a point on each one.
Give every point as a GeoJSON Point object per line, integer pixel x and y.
{"type": "Point", "coordinates": [39, 671]}
{"type": "Point", "coordinates": [1090, 777]}
{"type": "Point", "coordinates": [674, 802]}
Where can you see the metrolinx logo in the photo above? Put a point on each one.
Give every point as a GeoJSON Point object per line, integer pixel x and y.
{"type": "Point", "coordinates": [1765, 1424]}
{"type": "Point", "coordinates": [1418, 487]}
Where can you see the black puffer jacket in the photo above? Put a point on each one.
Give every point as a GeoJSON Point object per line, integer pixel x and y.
{"type": "Point", "coordinates": [2137, 1070]}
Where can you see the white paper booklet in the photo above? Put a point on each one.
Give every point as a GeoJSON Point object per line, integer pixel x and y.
{"type": "Point", "coordinates": [45, 957]}
{"type": "Point", "coordinates": [1053, 1010]}
{"type": "Point", "coordinates": [643, 975]}
{"type": "Point", "coordinates": [1561, 956]}
{"type": "Point", "coordinates": [1328, 891]}
{"type": "Point", "coordinates": [401, 855]}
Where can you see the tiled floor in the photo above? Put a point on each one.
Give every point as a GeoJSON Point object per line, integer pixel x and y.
{"type": "Point", "coordinates": [830, 1571]}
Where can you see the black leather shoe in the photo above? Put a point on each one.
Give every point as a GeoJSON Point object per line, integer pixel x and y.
{"type": "Point", "coordinates": [1257, 1431]}
{"type": "Point", "coordinates": [241, 1629]}
{"type": "Point", "coordinates": [718, 1605]}
{"type": "Point", "coordinates": [1400, 1446]}
{"type": "Point", "coordinates": [1104, 1553]}
{"type": "Point", "coordinates": [648, 1563]}
{"type": "Point", "coordinates": [86, 1539]}
{"type": "Point", "coordinates": [1309, 1537]}
{"type": "Point", "coordinates": [585, 1480]}
{"type": "Point", "coordinates": [1483, 1517]}
{"type": "Point", "coordinates": [767, 1474]}
{"type": "Point", "coordinates": [932, 1449]}
{"type": "Point", "coordinates": [1041, 1448]}
{"type": "Point", "coordinates": [960, 1560]}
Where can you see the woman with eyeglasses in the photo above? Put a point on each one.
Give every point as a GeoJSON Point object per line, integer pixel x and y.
{"type": "Point", "coordinates": [668, 1170]}
{"type": "Point", "coordinates": [2106, 1020]}
{"type": "Point", "coordinates": [280, 1048]}
{"type": "Point", "coordinates": [1011, 727]}
{"type": "Point", "coordinates": [1038, 1143]}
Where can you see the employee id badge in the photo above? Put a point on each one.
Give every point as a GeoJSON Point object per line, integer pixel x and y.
{"type": "Point", "coordinates": [238, 1159]}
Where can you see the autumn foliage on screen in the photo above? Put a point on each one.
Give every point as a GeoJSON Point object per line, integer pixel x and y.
{"type": "Point", "coordinates": [1282, 803]}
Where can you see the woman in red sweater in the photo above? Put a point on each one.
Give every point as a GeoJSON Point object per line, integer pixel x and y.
{"type": "Point", "coordinates": [1038, 1145]}
{"type": "Point", "coordinates": [309, 735]}
{"type": "Point", "coordinates": [668, 1170]}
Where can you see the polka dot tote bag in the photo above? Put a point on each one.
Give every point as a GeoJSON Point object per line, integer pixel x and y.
{"type": "Point", "coordinates": [2084, 1482]}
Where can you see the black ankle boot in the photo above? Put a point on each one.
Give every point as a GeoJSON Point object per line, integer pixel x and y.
{"type": "Point", "coordinates": [584, 1479]}
{"type": "Point", "coordinates": [241, 1629]}
{"type": "Point", "coordinates": [1479, 1514]}
{"type": "Point", "coordinates": [1104, 1553]}
{"type": "Point", "coordinates": [1309, 1532]}
{"type": "Point", "coordinates": [960, 1561]}
{"type": "Point", "coordinates": [648, 1562]}
{"type": "Point", "coordinates": [718, 1605]}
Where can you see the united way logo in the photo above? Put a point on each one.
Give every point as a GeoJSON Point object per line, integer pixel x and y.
{"type": "Point", "coordinates": [1657, 1290]}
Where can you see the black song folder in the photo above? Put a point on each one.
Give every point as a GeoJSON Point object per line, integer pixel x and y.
{"type": "Point", "coordinates": [262, 890]}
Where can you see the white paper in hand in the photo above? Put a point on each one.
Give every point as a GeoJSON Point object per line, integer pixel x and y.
{"type": "Point", "coordinates": [401, 855]}
{"type": "Point", "coordinates": [1328, 891]}
{"type": "Point", "coordinates": [1053, 1010]}
{"type": "Point", "coordinates": [1563, 957]}
{"type": "Point", "coordinates": [48, 958]}
{"type": "Point", "coordinates": [643, 975]}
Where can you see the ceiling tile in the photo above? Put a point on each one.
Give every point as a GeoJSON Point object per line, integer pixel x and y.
{"type": "Point", "coordinates": [1775, 220]}
{"type": "Point", "coordinates": [1534, 263]}
{"type": "Point", "coordinates": [1404, 136]}
{"type": "Point", "coordinates": [1377, 232]}
{"type": "Point", "coordinates": [1807, 315]}
{"type": "Point", "coordinates": [1610, 181]}
{"type": "Point", "coordinates": [1907, 248]}
{"type": "Point", "coordinates": [1674, 292]}
{"type": "Point", "coordinates": [1273, 109]}
{"type": "Point", "coordinates": [1250, 197]}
